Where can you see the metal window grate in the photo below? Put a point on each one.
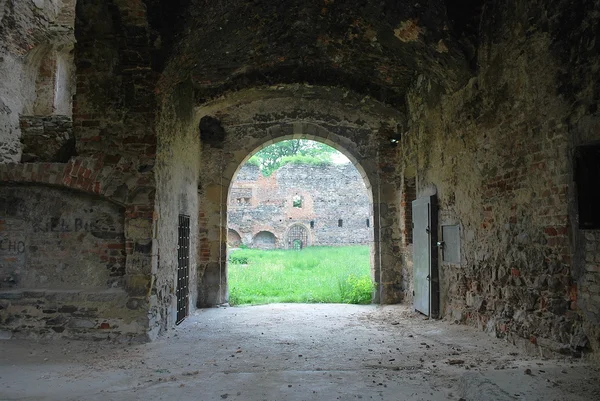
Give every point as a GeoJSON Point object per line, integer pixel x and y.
{"type": "Point", "coordinates": [183, 268]}
{"type": "Point", "coordinates": [297, 237]}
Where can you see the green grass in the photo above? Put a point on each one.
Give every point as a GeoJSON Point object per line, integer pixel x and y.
{"type": "Point", "coordinates": [312, 275]}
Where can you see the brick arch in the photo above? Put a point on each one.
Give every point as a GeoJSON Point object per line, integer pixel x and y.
{"type": "Point", "coordinates": [92, 175]}
{"type": "Point", "coordinates": [80, 174]}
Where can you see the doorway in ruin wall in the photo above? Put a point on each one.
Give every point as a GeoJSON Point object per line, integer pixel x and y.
{"type": "Point", "coordinates": [308, 213]}
{"type": "Point", "coordinates": [216, 197]}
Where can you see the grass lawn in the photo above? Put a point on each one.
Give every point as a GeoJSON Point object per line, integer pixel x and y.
{"type": "Point", "coordinates": [312, 275]}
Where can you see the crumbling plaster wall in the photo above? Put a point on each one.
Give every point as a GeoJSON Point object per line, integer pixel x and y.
{"type": "Point", "coordinates": [62, 264]}
{"type": "Point", "coordinates": [358, 126]}
{"type": "Point", "coordinates": [328, 193]}
{"type": "Point", "coordinates": [177, 170]}
{"type": "Point", "coordinates": [499, 155]}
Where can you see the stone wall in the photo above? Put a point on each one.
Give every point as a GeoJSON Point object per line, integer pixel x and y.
{"type": "Point", "coordinates": [47, 139]}
{"type": "Point", "coordinates": [58, 239]}
{"type": "Point", "coordinates": [324, 196]}
{"type": "Point", "coordinates": [62, 264]}
{"type": "Point", "coordinates": [589, 284]}
{"type": "Point", "coordinates": [498, 154]}
{"type": "Point", "coordinates": [35, 65]}
{"type": "Point", "coordinates": [112, 157]}
{"type": "Point", "coordinates": [177, 170]}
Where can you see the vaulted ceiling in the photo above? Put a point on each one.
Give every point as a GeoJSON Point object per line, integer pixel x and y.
{"type": "Point", "coordinates": [373, 48]}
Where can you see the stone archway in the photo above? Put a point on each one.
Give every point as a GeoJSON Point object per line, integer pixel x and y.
{"type": "Point", "coordinates": [234, 239]}
{"type": "Point", "coordinates": [264, 240]}
{"type": "Point", "coordinates": [361, 134]}
{"type": "Point", "coordinates": [286, 132]}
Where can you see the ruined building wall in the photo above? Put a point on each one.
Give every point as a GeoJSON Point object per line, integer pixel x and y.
{"type": "Point", "coordinates": [96, 202]}
{"type": "Point", "coordinates": [499, 155]}
{"type": "Point", "coordinates": [327, 194]}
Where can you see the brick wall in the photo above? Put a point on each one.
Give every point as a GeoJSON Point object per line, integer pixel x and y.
{"type": "Point", "coordinates": [499, 154]}
{"type": "Point", "coordinates": [327, 194]}
{"type": "Point", "coordinates": [113, 127]}
{"type": "Point", "coordinates": [587, 295]}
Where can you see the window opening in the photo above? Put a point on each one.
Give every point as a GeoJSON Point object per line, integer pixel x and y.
{"type": "Point", "coordinates": [312, 224]}
{"type": "Point", "coordinates": [297, 201]}
{"type": "Point", "coordinates": [409, 194]}
{"type": "Point", "coordinates": [340, 223]}
{"type": "Point", "coordinates": [368, 223]}
{"type": "Point", "coordinates": [587, 174]}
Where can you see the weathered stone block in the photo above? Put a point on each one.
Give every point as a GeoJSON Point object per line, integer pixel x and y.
{"type": "Point", "coordinates": [47, 138]}
{"type": "Point", "coordinates": [139, 285]}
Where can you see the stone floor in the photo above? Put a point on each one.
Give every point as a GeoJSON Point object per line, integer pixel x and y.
{"type": "Point", "coordinates": [295, 352]}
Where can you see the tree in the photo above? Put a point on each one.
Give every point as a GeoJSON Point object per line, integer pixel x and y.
{"type": "Point", "coordinates": [272, 157]}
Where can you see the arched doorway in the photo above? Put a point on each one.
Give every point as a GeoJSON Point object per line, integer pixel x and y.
{"type": "Point", "coordinates": [296, 194]}
{"type": "Point", "coordinates": [297, 237]}
{"type": "Point", "coordinates": [234, 239]}
{"type": "Point", "coordinates": [264, 240]}
{"type": "Point", "coordinates": [294, 236]}
{"type": "Point", "coordinates": [242, 137]}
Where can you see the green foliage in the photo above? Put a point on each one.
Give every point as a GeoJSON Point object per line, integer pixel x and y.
{"type": "Point", "coordinates": [301, 159]}
{"type": "Point", "coordinates": [237, 259]}
{"type": "Point", "coordinates": [312, 275]}
{"type": "Point", "coordinates": [355, 289]}
{"type": "Point", "coordinates": [304, 151]}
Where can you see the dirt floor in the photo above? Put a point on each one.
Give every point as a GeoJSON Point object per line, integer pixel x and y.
{"type": "Point", "coordinates": [295, 352]}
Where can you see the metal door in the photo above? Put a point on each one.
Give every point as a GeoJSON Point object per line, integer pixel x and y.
{"type": "Point", "coordinates": [183, 268]}
{"type": "Point", "coordinates": [297, 237]}
{"type": "Point", "coordinates": [424, 216]}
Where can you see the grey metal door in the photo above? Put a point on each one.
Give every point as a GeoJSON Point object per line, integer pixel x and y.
{"type": "Point", "coordinates": [424, 261]}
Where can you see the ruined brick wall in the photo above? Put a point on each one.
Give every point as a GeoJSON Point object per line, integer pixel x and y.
{"type": "Point", "coordinates": [498, 153]}
{"type": "Point", "coordinates": [325, 195]}
{"type": "Point", "coordinates": [111, 156]}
